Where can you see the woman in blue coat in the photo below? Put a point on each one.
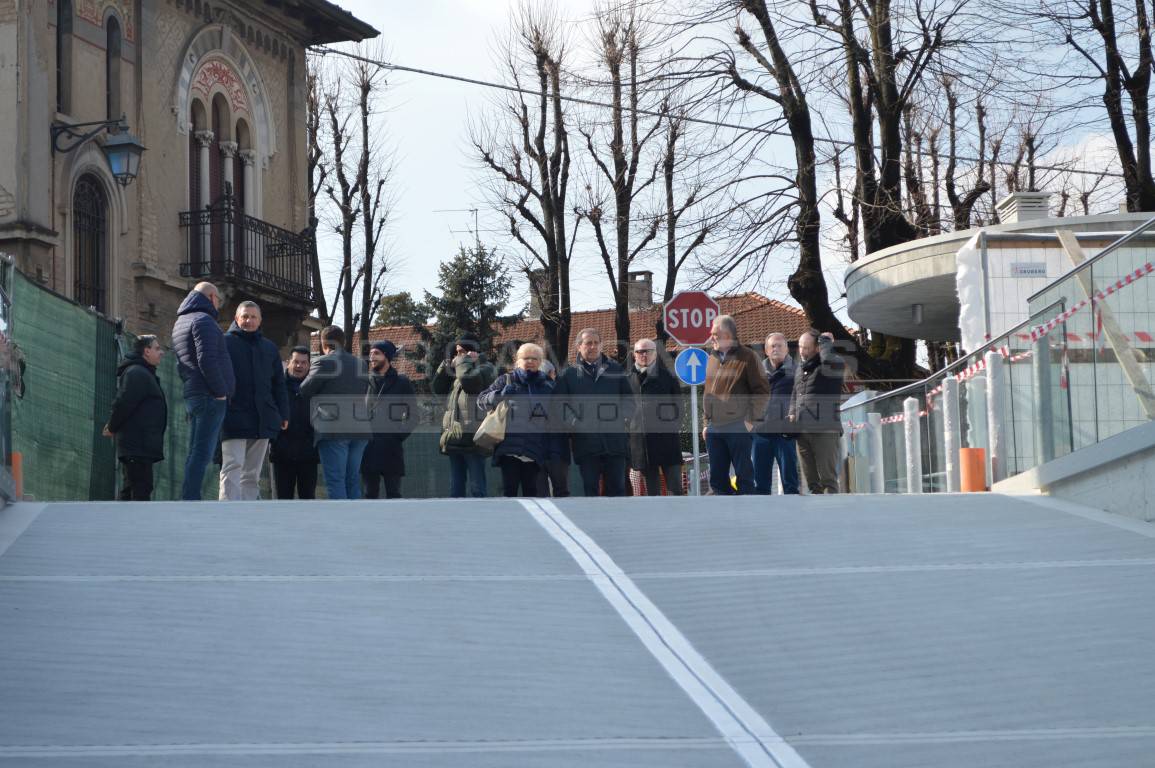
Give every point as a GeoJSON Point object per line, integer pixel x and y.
{"type": "Point", "coordinates": [528, 442]}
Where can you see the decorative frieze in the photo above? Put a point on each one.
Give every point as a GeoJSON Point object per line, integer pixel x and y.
{"type": "Point", "coordinates": [93, 12]}
{"type": "Point", "coordinates": [216, 72]}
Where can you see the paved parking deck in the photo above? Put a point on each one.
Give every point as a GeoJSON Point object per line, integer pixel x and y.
{"type": "Point", "coordinates": [845, 631]}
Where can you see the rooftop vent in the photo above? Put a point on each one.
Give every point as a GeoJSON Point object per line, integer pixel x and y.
{"type": "Point", "coordinates": [1024, 206]}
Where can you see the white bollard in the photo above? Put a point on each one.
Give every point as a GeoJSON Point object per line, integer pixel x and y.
{"type": "Point", "coordinates": [951, 433]}
{"type": "Point", "coordinates": [877, 458]}
{"type": "Point", "coordinates": [913, 431]}
{"type": "Point", "coordinates": [996, 418]}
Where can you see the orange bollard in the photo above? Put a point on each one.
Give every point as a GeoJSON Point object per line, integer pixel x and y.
{"type": "Point", "coordinates": [18, 474]}
{"type": "Point", "coordinates": [973, 463]}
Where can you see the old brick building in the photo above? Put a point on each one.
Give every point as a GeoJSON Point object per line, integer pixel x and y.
{"type": "Point", "coordinates": [215, 90]}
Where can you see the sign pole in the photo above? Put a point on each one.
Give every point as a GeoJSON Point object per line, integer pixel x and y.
{"type": "Point", "coordinates": [690, 365]}
{"type": "Point", "coordinates": [696, 486]}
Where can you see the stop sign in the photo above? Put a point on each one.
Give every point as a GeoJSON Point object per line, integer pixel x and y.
{"type": "Point", "coordinates": [688, 317]}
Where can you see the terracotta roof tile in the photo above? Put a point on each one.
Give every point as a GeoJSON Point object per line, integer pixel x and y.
{"type": "Point", "coordinates": [756, 316]}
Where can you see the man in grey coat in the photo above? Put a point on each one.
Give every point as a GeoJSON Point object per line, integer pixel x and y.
{"type": "Point", "coordinates": [335, 389]}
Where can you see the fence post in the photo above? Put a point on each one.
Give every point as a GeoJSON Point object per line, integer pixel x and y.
{"type": "Point", "coordinates": [877, 459]}
{"type": "Point", "coordinates": [911, 426]}
{"type": "Point", "coordinates": [996, 418]}
{"type": "Point", "coordinates": [1044, 402]}
{"type": "Point", "coordinates": [951, 433]}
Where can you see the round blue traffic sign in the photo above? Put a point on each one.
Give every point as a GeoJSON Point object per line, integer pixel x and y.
{"type": "Point", "coordinates": [690, 365]}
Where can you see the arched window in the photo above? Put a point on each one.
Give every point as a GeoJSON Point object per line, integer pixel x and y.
{"type": "Point", "coordinates": [112, 68]}
{"type": "Point", "coordinates": [63, 55]}
{"type": "Point", "coordinates": [220, 125]}
{"type": "Point", "coordinates": [90, 242]}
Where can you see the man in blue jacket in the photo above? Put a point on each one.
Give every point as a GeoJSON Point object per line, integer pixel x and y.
{"type": "Point", "coordinates": [336, 390]}
{"type": "Point", "coordinates": [774, 441]}
{"type": "Point", "coordinates": [207, 372]}
{"type": "Point", "coordinates": [259, 409]}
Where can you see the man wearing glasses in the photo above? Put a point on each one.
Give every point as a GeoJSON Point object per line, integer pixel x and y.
{"type": "Point", "coordinates": [595, 400]}
{"type": "Point", "coordinates": [655, 439]}
{"type": "Point", "coordinates": [734, 399]}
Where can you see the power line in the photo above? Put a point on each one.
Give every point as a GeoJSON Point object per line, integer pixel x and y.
{"type": "Point", "coordinates": [324, 50]}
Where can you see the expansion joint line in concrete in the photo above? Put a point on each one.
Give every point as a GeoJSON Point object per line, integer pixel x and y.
{"type": "Point", "coordinates": [743, 728]}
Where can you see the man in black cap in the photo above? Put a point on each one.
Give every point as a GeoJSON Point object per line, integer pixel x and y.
{"type": "Point", "coordinates": [393, 413]}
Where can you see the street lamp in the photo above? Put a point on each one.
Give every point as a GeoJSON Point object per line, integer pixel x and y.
{"type": "Point", "coordinates": [121, 149]}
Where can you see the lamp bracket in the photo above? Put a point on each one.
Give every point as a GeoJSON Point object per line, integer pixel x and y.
{"type": "Point", "coordinates": [78, 133]}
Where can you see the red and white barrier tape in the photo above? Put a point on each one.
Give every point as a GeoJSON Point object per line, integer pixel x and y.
{"type": "Point", "coordinates": [1038, 332]}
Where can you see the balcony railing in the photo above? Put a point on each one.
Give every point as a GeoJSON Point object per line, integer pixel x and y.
{"type": "Point", "coordinates": [221, 241]}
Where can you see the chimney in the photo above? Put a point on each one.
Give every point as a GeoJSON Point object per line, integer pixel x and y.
{"type": "Point", "coordinates": [538, 289]}
{"type": "Point", "coordinates": [641, 290]}
{"type": "Point", "coordinates": [1024, 206]}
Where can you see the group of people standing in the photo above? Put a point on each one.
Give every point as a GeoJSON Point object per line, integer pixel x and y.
{"type": "Point", "coordinates": [351, 416]}
{"type": "Point", "coordinates": [244, 404]}
{"type": "Point", "coordinates": [607, 419]}
{"type": "Point", "coordinates": [772, 412]}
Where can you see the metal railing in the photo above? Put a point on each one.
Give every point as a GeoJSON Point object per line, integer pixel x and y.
{"type": "Point", "coordinates": [1078, 371]}
{"type": "Point", "coordinates": [221, 241]}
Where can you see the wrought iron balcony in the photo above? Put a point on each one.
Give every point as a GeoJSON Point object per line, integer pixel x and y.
{"type": "Point", "coordinates": [223, 242]}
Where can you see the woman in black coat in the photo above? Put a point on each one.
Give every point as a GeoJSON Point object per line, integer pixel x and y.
{"type": "Point", "coordinates": [529, 443]}
{"type": "Point", "coordinates": [655, 429]}
{"type": "Point", "coordinates": [139, 418]}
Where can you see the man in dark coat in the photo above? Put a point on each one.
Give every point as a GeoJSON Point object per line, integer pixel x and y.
{"type": "Point", "coordinates": [553, 480]}
{"type": "Point", "coordinates": [594, 398]}
{"type": "Point", "coordinates": [292, 453]}
{"type": "Point", "coordinates": [139, 418]}
{"type": "Point", "coordinates": [207, 372]}
{"type": "Point", "coordinates": [461, 379]}
{"type": "Point", "coordinates": [393, 413]}
{"type": "Point", "coordinates": [815, 410]}
{"type": "Point", "coordinates": [259, 409]}
{"type": "Point", "coordinates": [655, 430]}
{"type": "Point", "coordinates": [335, 390]}
{"type": "Point", "coordinates": [774, 441]}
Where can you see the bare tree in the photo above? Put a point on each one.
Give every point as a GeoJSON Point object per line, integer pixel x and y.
{"type": "Point", "coordinates": [690, 193]}
{"type": "Point", "coordinates": [1098, 35]}
{"type": "Point", "coordinates": [776, 82]}
{"type": "Point", "coordinates": [629, 170]}
{"type": "Point", "coordinates": [317, 175]}
{"type": "Point", "coordinates": [342, 190]}
{"type": "Point", "coordinates": [527, 154]}
{"type": "Point", "coordinates": [962, 206]}
{"type": "Point", "coordinates": [375, 169]}
{"type": "Point", "coordinates": [358, 174]}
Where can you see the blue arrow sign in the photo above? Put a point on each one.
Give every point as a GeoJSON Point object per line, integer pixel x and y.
{"type": "Point", "coordinates": [690, 366]}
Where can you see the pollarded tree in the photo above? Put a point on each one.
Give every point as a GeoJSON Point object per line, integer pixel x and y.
{"type": "Point", "coordinates": [617, 142]}
{"type": "Point", "coordinates": [526, 155]}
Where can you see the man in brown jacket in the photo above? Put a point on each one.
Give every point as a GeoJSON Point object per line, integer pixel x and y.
{"type": "Point", "coordinates": [735, 397]}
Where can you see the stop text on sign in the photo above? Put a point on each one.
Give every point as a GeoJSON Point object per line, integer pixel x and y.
{"type": "Point", "coordinates": [690, 318]}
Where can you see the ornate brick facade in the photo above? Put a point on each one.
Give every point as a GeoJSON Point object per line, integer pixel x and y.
{"type": "Point", "coordinates": [186, 66]}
